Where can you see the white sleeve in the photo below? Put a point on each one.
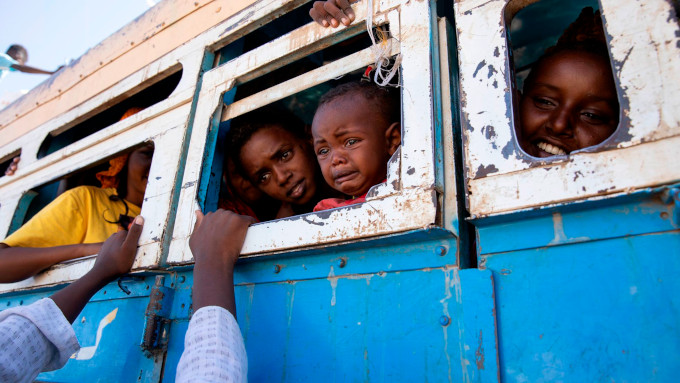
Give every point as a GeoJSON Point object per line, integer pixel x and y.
{"type": "Point", "coordinates": [33, 339]}
{"type": "Point", "coordinates": [213, 349]}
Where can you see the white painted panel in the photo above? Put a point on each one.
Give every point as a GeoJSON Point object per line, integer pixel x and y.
{"type": "Point", "coordinates": [645, 50]}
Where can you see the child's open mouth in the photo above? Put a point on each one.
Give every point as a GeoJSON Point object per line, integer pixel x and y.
{"type": "Point", "coordinates": [551, 149]}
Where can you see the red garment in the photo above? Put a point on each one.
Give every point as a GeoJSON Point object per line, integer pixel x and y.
{"type": "Point", "coordinates": [237, 206]}
{"type": "Point", "coordinates": [229, 201]}
{"type": "Point", "coordinates": [331, 203]}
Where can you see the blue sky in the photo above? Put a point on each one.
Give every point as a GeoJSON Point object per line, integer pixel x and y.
{"type": "Point", "coordinates": [57, 31]}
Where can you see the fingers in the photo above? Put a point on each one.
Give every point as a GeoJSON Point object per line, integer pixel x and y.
{"type": "Point", "coordinates": [345, 14]}
{"type": "Point", "coordinates": [132, 238]}
{"type": "Point", "coordinates": [318, 14]}
{"type": "Point", "coordinates": [13, 166]}
{"type": "Point", "coordinates": [199, 219]}
{"type": "Point", "coordinates": [332, 13]}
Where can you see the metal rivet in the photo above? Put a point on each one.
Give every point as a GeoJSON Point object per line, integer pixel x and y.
{"type": "Point", "coordinates": [341, 262]}
{"type": "Point", "coordinates": [182, 279]}
{"type": "Point", "coordinates": [444, 320]}
{"type": "Point", "coordinates": [440, 251]}
{"type": "Point", "coordinates": [277, 268]}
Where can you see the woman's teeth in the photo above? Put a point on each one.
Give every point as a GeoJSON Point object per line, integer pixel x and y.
{"type": "Point", "coordinates": [552, 149]}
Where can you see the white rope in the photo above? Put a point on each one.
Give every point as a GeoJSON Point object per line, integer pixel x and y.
{"type": "Point", "coordinates": [385, 67]}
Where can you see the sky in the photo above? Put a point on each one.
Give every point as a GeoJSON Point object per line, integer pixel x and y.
{"type": "Point", "coordinates": [57, 31]}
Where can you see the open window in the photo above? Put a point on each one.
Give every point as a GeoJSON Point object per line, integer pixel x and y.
{"type": "Point", "coordinates": [500, 175]}
{"type": "Point", "coordinates": [408, 198]}
{"type": "Point", "coordinates": [149, 93]}
{"type": "Point", "coordinates": [566, 97]}
{"type": "Point", "coordinates": [40, 180]}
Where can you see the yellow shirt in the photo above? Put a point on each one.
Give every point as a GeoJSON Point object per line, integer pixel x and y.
{"type": "Point", "coordinates": [77, 216]}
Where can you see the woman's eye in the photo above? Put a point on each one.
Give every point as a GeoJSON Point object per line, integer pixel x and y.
{"type": "Point", "coordinates": [264, 178]}
{"type": "Point", "coordinates": [286, 155]}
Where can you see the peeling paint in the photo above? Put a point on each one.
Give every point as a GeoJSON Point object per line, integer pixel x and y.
{"type": "Point", "coordinates": [479, 354]}
{"type": "Point", "coordinates": [483, 171]}
{"type": "Point", "coordinates": [481, 65]}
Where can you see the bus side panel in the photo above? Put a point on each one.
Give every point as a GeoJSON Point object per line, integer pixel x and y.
{"type": "Point", "coordinates": [403, 326]}
{"type": "Point", "coordinates": [110, 330]}
{"type": "Point", "coordinates": [336, 315]}
{"type": "Point", "coordinates": [601, 310]}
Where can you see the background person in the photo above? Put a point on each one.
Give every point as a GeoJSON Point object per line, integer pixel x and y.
{"type": "Point", "coordinates": [15, 60]}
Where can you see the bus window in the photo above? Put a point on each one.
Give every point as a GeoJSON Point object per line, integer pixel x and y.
{"type": "Point", "coordinates": [504, 153]}
{"type": "Point", "coordinates": [567, 95]}
{"type": "Point", "coordinates": [110, 173]}
{"type": "Point", "coordinates": [291, 72]}
{"type": "Point", "coordinates": [146, 94]}
{"type": "Point", "coordinates": [300, 107]}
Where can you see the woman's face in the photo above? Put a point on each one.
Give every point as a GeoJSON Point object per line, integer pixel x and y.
{"type": "Point", "coordinates": [138, 166]}
{"type": "Point", "coordinates": [281, 165]}
{"type": "Point", "coordinates": [570, 103]}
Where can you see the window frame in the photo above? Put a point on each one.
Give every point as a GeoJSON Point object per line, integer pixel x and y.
{"type": "Point", "coordinates": [501, 178]}
{"type": "Point", "coordinates": [164, 123]}
{"type": "Point", "coordinates": [407, 201]}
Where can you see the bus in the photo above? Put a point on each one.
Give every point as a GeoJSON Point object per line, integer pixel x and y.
{"type": "Point", "coordinates": [472, 262]}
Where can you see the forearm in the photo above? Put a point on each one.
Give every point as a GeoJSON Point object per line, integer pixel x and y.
{"type": "Point", "coordinates": [30, 69]}
{"type": "Point", "coordinates": [18, 263]}
{"type": "Point", "coordinates": [214, 286]}
{"type": "Point", "coordinates": [39, 328]}
{"type": "Point", "coordinates": [213, 349]}
{"type": "Point", "coordinates": [72, 298]}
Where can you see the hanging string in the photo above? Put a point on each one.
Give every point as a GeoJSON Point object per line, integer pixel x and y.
{"type": "Point", "coordinates": [385, 67]}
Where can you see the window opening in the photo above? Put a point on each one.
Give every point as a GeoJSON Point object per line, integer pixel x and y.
{"type": "Point", "coordinates": [152, 92]}
{"type": "Point", "coordinates": [301, 105]}
{"type": "Point", "coordinates": [7, 161]}
{"type": "Point", "coordinates": [563, 76]}
{"type": "Point", "coordinates": [290, 119]}
{"type": "Point", "coordinates": [268, 32]}
{"type": "Point", "coordinates": [297, 109]}
{"type": "Point", "coordinates": [44, 194]}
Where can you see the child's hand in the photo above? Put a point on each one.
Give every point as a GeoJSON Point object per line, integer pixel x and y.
{"type": "Point", "coordinates": [218, 237]}
{"type": "Point", "coordinates": [118, 252]}
{"type": "Point", "coordinates": [332, 12]}
{"type": "Point", "coordinates": [13, 166]}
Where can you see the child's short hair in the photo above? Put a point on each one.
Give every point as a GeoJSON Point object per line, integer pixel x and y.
{"type": "Point", "coordinates": [386, 100]}
{"type": "Point", "coordinates": [17, 52]}
{"type": "Point", "coordinates": [244, 127]}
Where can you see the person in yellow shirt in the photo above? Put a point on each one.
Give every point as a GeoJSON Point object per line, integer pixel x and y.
{"type": "Point", "coordinates": [77, 222]}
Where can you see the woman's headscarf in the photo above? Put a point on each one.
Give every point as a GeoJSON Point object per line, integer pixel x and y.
{"type": "Point", "coordinates": [109, 178]}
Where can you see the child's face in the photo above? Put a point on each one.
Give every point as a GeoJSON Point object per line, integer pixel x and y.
{"type": "Point", "coordinates": [353, 143]}
{"type": "Point", "coordinates": [570, 104]}
{"type": "Point", "coordinates": [281, 165]}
